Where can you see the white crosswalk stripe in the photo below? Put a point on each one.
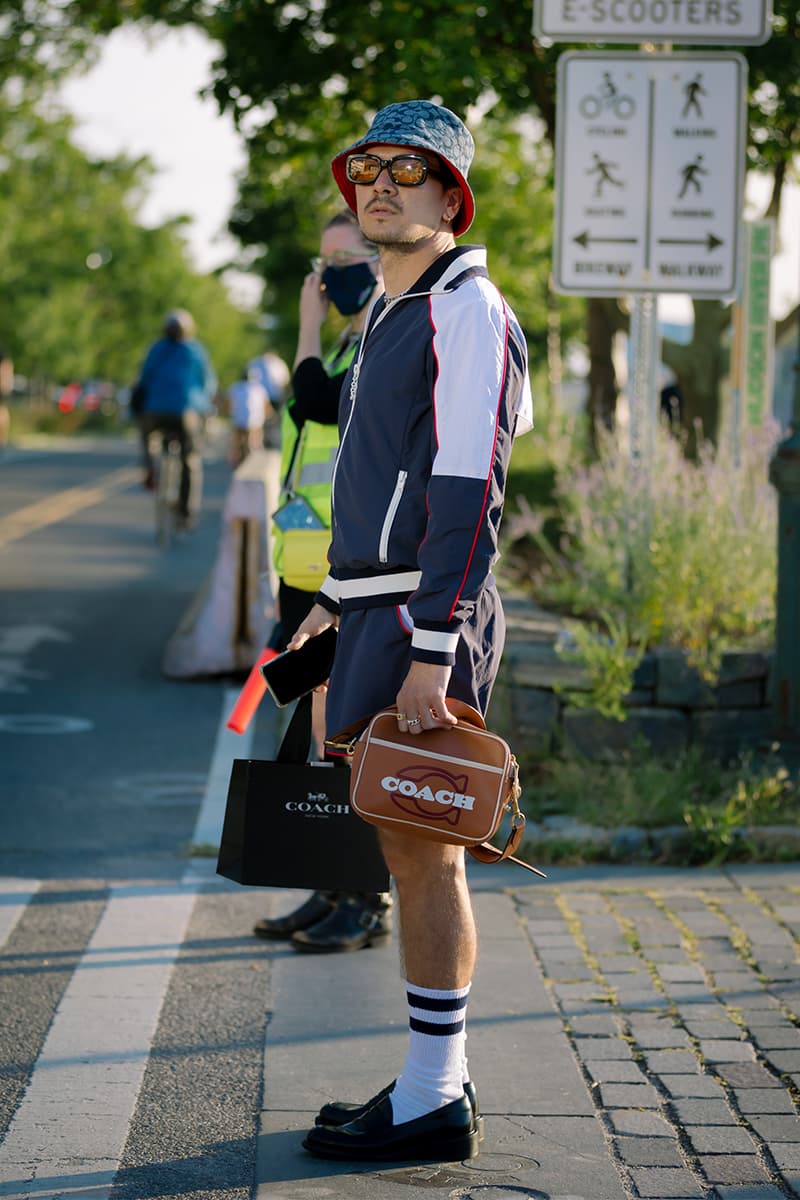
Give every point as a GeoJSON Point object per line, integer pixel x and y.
{"type": "Point", "coordinates": [71, 1127]}
{"type": "Point", "coordinates": [68, 1134]}
{"type": "Point", "coordinates": [16, 895]}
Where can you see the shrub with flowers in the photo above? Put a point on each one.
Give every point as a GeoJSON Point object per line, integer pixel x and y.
{"type": "Point", "coordinates": [680, 554]}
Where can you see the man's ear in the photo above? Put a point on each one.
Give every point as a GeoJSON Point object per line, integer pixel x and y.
{"type": "Point", "coordinates": [453, 199]}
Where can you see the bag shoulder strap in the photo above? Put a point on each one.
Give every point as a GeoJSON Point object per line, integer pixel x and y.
{"type": "Point", "coordinates": [487, 853]}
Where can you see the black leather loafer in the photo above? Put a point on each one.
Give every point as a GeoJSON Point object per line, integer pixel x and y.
{"type": "Point", "coordinates": [449, 1134]}
{"type": "Point", "coordinates": [351, 925]}
{"type": "Point", "coordinates": [338, 1112]}
{"type": "Point", "coordinates": [316, 907]}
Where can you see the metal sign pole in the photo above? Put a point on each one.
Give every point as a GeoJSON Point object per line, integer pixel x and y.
{"type": "Point", "coordinates": [644, 385]}
{"type": "Point", "coordinates": [643, 391]}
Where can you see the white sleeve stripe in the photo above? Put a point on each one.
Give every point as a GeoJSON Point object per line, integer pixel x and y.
{"type": "Point", "coordinates": [469, 347]}
{"type": "Point", "coordinates": [431, 639]}
{"type": "Point", "coordinates": [473, 258]}
{"type": "Point", "coordinates": [330, 588]}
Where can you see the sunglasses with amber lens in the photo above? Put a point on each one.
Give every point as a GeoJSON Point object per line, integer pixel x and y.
{"type": "Point", "coordinates": [405, 170]}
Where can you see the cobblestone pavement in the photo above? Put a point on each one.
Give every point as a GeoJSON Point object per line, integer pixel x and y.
{"type": "Point", "coordinates": [682, 1006]}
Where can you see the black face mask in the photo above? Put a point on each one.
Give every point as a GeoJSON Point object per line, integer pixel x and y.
{"type": "Point", "coordinates": [349, 288]}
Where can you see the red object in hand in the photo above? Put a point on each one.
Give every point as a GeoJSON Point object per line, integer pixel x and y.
{"type": "Point", "coordinates": [250, 695]}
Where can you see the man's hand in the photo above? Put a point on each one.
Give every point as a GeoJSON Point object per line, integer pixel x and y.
{"type": "Point", "coordinates": [421, 699]}
{"type": "Point", "coordinates": [317, 621]}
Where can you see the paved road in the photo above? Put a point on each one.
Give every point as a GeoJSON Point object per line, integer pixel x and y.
{"type": "Point", "coordinates": [632, 1033]}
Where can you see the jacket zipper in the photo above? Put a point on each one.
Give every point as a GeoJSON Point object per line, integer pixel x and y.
{"type": "Point", "coordinates": [391, 512]}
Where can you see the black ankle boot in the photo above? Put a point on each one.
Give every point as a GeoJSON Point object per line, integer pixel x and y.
{"type": "Point", "coordinates": [356, 922]}
{"type": "Point", "coordinates": [316, 907]}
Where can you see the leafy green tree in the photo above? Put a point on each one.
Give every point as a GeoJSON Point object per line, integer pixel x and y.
{"type": "Point", "coordinates": [301, 78]}
{"type": "Point", "coordinates": [83, 286]}
{"type": "Point", "coordinates": [42, 39]}
{"type": "Point", "coordinates": [293, 72]}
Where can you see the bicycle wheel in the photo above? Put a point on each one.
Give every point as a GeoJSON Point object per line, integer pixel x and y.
{"type": "Point", "coordinates": [589, 107]}
{"type": "Point", "coordinates": [624, 107]}
{"type": "Point", "coordinates": [167, 494]}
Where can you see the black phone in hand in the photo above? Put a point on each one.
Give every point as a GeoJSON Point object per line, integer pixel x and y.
{"type": "Point", "coordinates": [296, 672]}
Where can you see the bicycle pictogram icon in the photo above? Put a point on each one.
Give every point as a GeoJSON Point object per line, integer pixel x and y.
{"type": "Point", "coordinates": [607, 99]}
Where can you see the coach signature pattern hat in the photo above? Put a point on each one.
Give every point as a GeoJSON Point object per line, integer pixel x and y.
{"type": "Point", "coordinates": [420, 125]}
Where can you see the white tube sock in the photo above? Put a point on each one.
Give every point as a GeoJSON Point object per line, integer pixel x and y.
{"type": "Point", "coordinates": [434, 1071]}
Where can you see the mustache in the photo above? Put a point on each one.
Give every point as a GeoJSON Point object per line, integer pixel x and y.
{"type": "Point", "coordinates": [380, 203]}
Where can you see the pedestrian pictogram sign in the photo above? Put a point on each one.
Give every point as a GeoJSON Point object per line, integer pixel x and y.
{"type": "Point", "coordinates": [692, 22]}
{"type": "Point", "coordinates": [649, 173]}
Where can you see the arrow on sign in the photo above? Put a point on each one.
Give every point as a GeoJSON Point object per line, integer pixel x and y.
{"type": "Point", "coordinates": [711, 242]}
{"type": "Point", "coordinates": [585, 238]}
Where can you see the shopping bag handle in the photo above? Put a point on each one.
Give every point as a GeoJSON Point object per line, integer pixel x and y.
{"type": "Point", "coordinates": [296, 743]}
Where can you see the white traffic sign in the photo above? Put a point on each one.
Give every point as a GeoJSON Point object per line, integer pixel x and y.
{"type": "Point", "coordinates": [650, 156]}
{"type": "Point", "coordinates": [691, 22]}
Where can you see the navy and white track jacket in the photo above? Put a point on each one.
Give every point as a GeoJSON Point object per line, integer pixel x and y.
{"type": "Point", "coordinates": [428, 414]}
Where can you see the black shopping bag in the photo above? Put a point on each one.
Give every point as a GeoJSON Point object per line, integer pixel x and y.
{"type": "Point", "coordinates": [289, 823]}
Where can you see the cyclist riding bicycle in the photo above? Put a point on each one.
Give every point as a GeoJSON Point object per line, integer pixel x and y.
{"type": "Point", "coordinates": [177, 384]}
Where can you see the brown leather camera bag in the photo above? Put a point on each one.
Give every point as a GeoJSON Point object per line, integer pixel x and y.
{"type": "Point", "coordinates": [445, 785]}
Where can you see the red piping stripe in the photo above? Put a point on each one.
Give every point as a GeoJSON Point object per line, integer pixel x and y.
{"type": "Point", "coordinates": [491, 468]}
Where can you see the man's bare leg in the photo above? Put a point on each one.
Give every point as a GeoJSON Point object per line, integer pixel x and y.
{"type": "Point", "coordinates": [437, 926]}
{"type": "Point", "coordinates": [438, 940]}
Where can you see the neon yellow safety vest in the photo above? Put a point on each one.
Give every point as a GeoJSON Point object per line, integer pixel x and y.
{"type": "Point", "coordinates": [311, 465]}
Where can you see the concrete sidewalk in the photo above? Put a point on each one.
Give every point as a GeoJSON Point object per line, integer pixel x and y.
{"type": "Point", "coordinates": [632, 1032]}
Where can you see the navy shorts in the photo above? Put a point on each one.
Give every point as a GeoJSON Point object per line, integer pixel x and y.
{"type": "Point", "coordinates": [373, 656]}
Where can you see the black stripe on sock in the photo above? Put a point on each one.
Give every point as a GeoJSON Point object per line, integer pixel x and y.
{"type": "Point", "coordinates": [434, 1030]}
{"type": "Point", "coordinates": [434, 1004]}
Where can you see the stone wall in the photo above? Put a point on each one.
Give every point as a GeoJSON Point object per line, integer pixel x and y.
{"type": "Point", "coordinates": [670, 707]}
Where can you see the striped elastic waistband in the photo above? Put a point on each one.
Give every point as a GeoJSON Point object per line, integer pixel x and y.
{"type": "Point", "coordinates": [389, 584]}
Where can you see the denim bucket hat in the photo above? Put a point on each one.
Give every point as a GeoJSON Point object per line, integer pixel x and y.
{"type": "Point", "coordinates": [420, 125]}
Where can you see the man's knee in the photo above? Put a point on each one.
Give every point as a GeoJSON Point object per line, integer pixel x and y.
{"type": "Point", "coordinates": [409, 857]}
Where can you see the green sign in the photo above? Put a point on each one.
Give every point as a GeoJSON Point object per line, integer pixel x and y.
{"type": "Point", "coordinates": [757, 339]}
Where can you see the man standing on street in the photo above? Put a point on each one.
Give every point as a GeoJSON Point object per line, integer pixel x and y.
{"type": "Point", "coordinates": [429, 411]}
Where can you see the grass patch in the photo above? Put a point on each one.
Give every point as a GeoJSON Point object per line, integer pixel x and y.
{"type": "Point", "coordinates": [637, 790]}
{"type": "Point", "coordinates": [691, 810]}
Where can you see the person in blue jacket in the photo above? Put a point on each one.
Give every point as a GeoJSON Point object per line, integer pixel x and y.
{"type": "Point", "coordinates": [438, 390]}
{"type": "Point", "coordinates": [177, 385]}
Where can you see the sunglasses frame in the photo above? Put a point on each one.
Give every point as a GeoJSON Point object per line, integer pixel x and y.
{"type": "Point", "coordinates": [319, 262]}
{"type": "Point", "coordinates": [387, 164]}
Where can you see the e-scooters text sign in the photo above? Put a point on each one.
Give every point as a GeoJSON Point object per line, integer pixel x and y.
{"type": "Point", "coordinates": [691, 22]}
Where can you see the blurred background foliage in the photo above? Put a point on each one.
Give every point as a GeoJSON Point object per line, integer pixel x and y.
{"type": "Point", "coordinates": [300, 80]}
{"type": "Point", "coordinates": [83, 286]}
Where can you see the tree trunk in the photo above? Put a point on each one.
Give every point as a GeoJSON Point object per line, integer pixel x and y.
{"type": "Point", "coordinates": [778, 180]}
{"type": "Point", "coordinates": [555, 365]}
{"type": "Point", "coordinates": [604, 318]}
{"type": "Point", "coordinates": [700, 368]}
